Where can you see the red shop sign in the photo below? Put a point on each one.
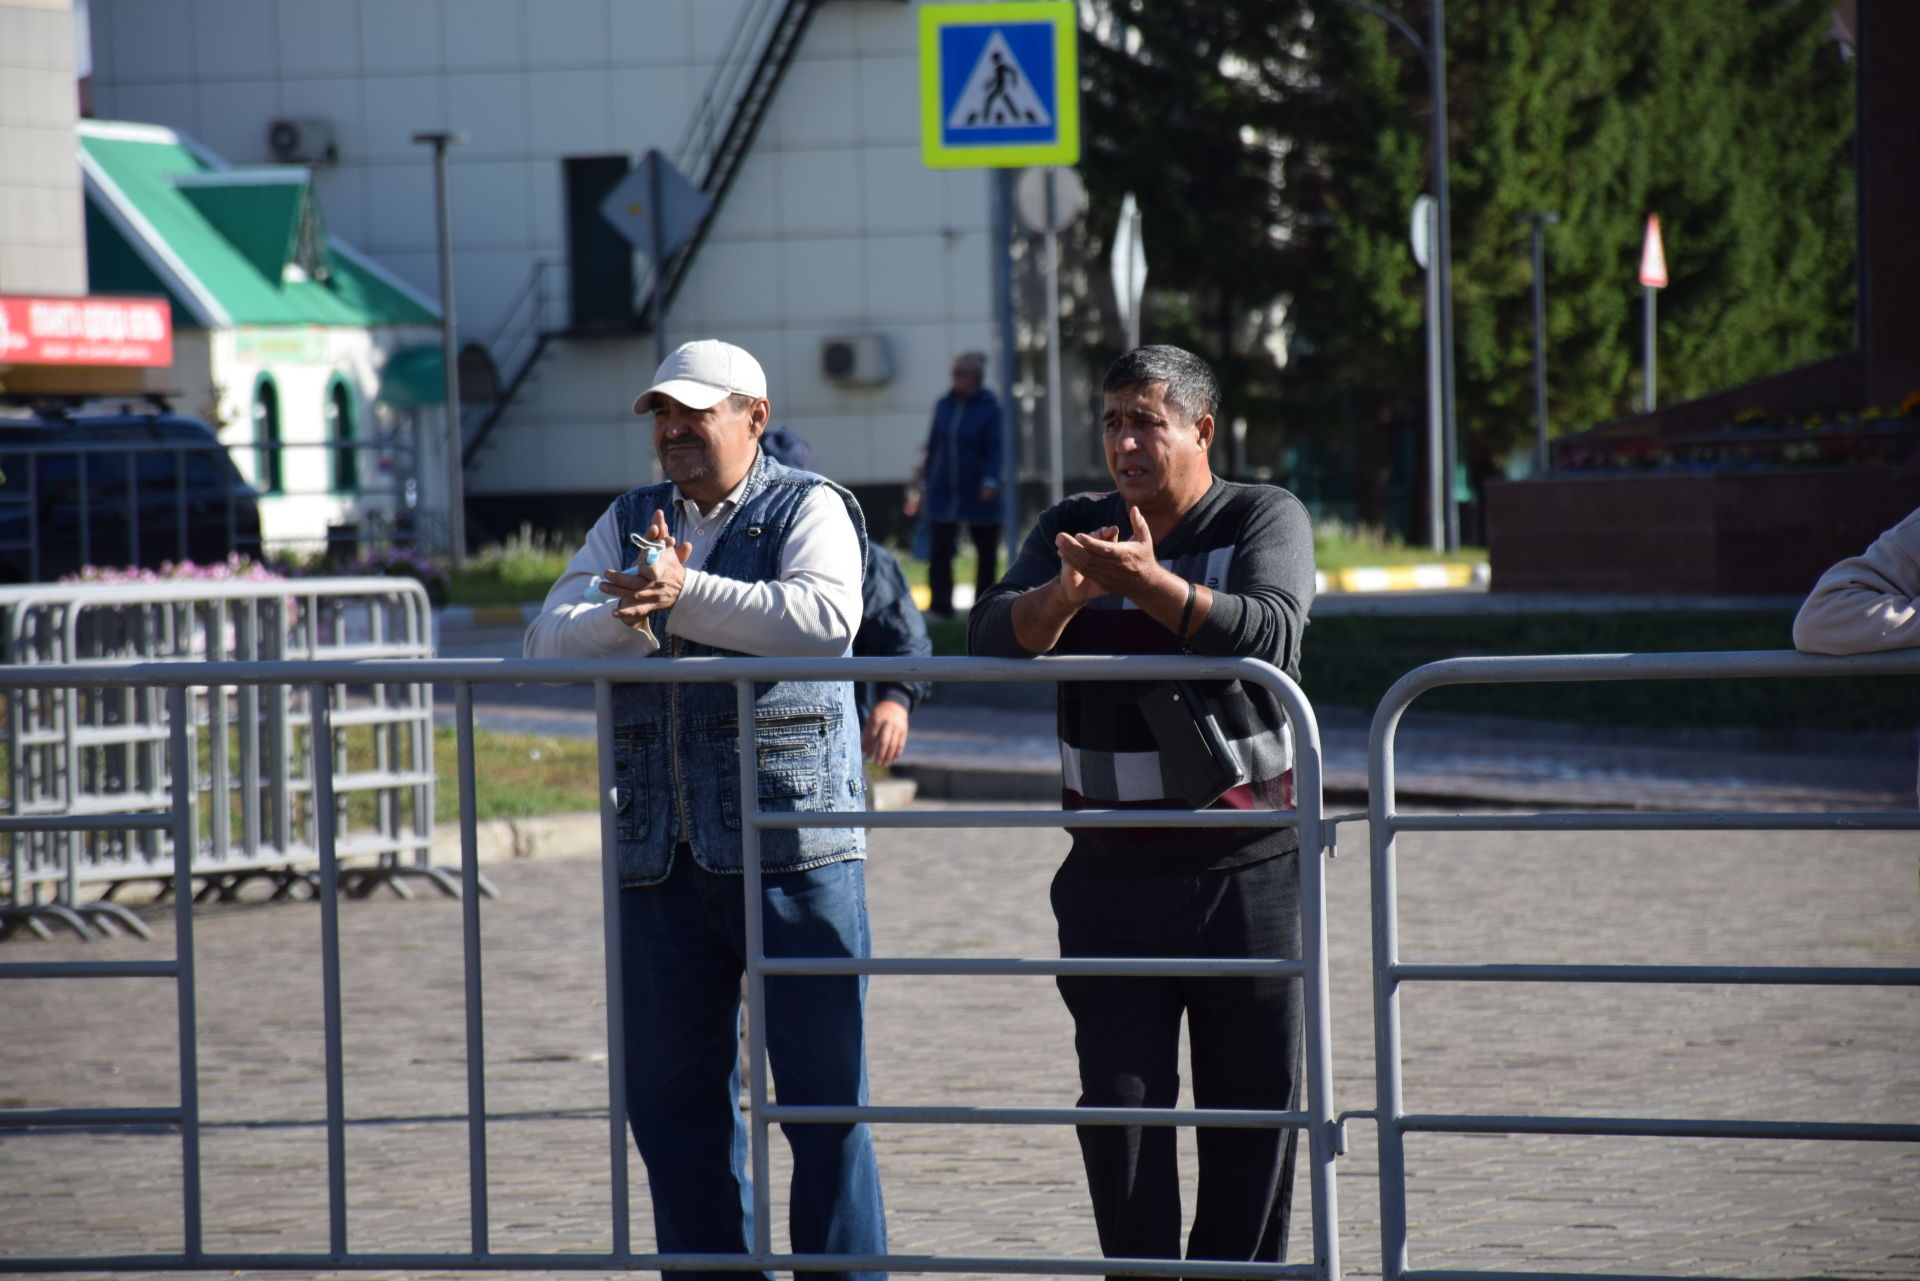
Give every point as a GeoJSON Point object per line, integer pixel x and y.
{"type": "Point", "coordinates": [85, 331]}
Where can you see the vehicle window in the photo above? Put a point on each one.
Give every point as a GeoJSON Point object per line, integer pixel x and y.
{"type": "Point", "coordinates": [105, 472]}
{"type": "Point", "coordinates": [205, 473]}
{"type": "Point", "coordinates": [13, 474]}
{"type": "Point", "coordinates": [156, 469]}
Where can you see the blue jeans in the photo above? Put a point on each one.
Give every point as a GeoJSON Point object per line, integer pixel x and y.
{"type": "Point", "coordinates": [684, 951]}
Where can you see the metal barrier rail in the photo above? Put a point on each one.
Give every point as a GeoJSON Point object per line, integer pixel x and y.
{"type": "Point", "coordinates": [1390, 972]}
{"type": "Point", "coordinates": [1316, 1119]}
{"type": "Point", "coordinates": [82, 749]}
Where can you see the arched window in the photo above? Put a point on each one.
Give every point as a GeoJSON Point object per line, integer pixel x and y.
{"type": "Point", "coordinates": [267, 474]}
{"type": "Point", "coordinates": [342, 431]}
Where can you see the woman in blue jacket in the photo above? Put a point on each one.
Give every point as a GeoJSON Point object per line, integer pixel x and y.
{"type": "Point", "coordinates": [961, 480]}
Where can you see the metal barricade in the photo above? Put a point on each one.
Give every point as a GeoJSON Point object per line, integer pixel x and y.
{"type": "Point", "coordinates": [188, 843]}
{"type": "Point", "coordinates": [81, 750]}
{"type": "Point", "coordinates": [1390, 973]}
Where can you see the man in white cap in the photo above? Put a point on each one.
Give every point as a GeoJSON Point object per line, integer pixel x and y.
{"type": "Point", "coordinates": [736, 555]}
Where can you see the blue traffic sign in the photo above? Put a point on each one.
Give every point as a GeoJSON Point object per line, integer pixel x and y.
{"type": "Point", "coordinates": [999, 85]}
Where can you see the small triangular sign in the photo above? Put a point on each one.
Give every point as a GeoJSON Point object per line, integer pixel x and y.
{"type": "Point", "coordinates": [998, 94]}
{"type": "Point", "coordinates": [1653, 259]}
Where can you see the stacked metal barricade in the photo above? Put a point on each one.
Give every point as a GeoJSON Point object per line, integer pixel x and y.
{"type": "Point", "coordinates": [78, 750]}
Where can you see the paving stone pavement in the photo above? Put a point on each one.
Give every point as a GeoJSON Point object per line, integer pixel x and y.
{"type": "Point", "coordinates": [1537, 1204]}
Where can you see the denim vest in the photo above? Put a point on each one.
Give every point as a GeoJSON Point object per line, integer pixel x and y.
{"type": "Point", "coordinates": [676, 753]}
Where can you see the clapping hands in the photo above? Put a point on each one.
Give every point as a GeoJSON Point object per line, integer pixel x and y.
{"type": "Point", "coordinates": [647, 588]}
{"type": "Point", "coordinates": [1101, 562]}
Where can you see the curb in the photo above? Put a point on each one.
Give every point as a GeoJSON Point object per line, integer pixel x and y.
{"type": "Point", "coordinates": [1404, 578]}
{"type": "Point", "coordinates": [504, 840]}
{"type": "Point", "coordinates": [1395, 578]}
{"type": "Point", "coordinates": [486, 615]}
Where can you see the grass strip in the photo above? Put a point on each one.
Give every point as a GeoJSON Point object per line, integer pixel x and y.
{"type": "Point", "coordinates": [1351, 660]}
{"type": "Point", "coordinates": [517, 775]}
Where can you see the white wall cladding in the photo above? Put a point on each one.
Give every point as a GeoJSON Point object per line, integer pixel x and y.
{"type": "Point", "coordinates": [42, 245]}
{"type": "Point", "coordinates": [833, 224]}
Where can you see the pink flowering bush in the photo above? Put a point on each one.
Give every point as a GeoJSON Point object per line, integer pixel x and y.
{"type": "Point", "coordinates": [235, 568]}
{"type": "Point", "coordinates": [400, 562]}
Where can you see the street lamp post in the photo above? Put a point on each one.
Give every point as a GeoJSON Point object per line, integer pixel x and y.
{"type": "Point", "coordinates": [1433, 55]}
{"type": "Point", "coordinates": [1389, 1103]}
{"type": "Point", "coordinates": [440, 140]}
{"type": "Point", "coordinates": [1539, 219]}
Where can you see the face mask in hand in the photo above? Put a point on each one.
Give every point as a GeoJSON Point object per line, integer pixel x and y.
{"type": "Point", "coordinates": [649, 554]}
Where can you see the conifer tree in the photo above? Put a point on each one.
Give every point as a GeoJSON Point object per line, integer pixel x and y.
{"type": "Point", "coordinates": [1277, 146]}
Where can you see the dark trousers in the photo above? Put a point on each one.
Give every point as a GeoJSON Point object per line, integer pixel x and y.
{"type": "Point", "coordinates": [684, 947]}
{"type": "Point", "coordinates": [1244, 1040]}
{"type": "Point", "coordinates": [946, 540]}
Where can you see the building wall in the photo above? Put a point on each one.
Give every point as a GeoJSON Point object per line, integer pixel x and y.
{"type": "Point", "coordinates": [1727, 533]}
{"type": "Point", "coordinates": [833, 226]}
{"type": "Point", "coordinates": [217, 373]}
{"type": "Point", "coordinates": [42, 241]}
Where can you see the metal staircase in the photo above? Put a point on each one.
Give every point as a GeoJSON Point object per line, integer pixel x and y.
{"type": "Point", "coordinates": [520, 340]}
{"type": "Point", "coordinates": [718, 137]}
{"type": "Point", "coordinates": [716, 143]}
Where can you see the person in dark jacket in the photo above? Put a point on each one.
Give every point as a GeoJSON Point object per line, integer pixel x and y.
{"type": "Point", "coordinates": [960, 480]}
{"type": "Point", "coordinates": [1172, 560]}
{"type": "Point", "coordinates": [890, 626]}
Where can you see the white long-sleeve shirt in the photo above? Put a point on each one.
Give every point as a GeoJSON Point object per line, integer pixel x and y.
{"type": "Point", "coordinates": [1869, 602]}
{"type": "Point", "coordinates": [811, 610]}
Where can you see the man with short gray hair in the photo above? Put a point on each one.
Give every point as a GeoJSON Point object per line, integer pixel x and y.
{"type": "Point", "coordinates": [1173, 560]}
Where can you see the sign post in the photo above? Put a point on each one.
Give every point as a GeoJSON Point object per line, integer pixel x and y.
{"type": "Point", "coordinates": [1129, 267]}
{"type": "Point", "coordinates": [1539, 220]}
{"type": "Point", "coordinates": [1653, 274]}
{"type": "Point", "coordinates": [440, 140]}
{"type": "Point", "coordinates": [1000, 89]}
{"type": "Point", "coordinates": [1424, 234]}
{"type": "Point", "coordinates": [1049, 200]}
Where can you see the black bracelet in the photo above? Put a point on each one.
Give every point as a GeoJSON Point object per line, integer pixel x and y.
{"type": "Point", "coordinates": [1186, 615]}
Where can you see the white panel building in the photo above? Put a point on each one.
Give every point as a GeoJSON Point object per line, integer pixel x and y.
{"type": "Point", "coordinates": [42, 249]}
{"type": "Point", "coordinates": [831, 225]}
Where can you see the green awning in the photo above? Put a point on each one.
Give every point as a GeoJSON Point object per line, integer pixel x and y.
{"type": "Point", "coordinates": [414, 378]}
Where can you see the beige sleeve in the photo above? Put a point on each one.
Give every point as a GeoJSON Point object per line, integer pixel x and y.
{"type": "Point", "coordinates": [1867, 603]}
{"type": "Point", "coordinates": [577, 621]}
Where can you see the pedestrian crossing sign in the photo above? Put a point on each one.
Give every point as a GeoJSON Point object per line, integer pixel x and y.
{"type": "Point", "coordinates": [999, 85]}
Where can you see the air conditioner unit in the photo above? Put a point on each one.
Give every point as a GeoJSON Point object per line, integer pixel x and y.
{"type": "Point", "coordinates": [306, 142]}
{"type": "Point", "coordinates": [857, 360]}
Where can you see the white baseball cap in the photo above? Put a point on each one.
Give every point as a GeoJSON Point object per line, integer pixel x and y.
{"type": "Point", "coordinates": [702, 374]}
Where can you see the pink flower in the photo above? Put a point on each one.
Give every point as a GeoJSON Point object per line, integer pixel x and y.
{"type": "Point", "coordinates": [234, 568]}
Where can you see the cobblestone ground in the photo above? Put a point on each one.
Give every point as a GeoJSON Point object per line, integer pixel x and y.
{"type": "Point", "coordinates": [1684, 1207]}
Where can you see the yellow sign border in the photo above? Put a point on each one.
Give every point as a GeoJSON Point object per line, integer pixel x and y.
{"type": "Point", "coordinates": [1066, 78]}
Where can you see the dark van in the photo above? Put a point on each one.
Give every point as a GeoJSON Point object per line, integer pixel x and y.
{"type": "Point", "coordinates": [116, 485]}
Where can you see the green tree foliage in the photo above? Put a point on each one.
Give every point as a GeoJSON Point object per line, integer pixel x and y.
{"type": "Point", "coordinates": [1177, 115]}
{"type": "Point", "coordinates": [1276, 147]}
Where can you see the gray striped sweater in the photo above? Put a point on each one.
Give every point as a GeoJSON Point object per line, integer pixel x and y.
{"type": "Point", "coordinates": [1253, 545]}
